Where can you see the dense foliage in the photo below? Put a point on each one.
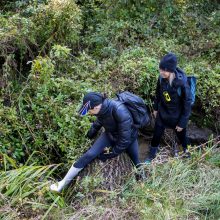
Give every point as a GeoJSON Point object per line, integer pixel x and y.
{"type": "Point", "coordinates": [53, 51]}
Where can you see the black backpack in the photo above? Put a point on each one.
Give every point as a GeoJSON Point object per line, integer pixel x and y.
{"type": "Point", "coordinates": [137, 108]}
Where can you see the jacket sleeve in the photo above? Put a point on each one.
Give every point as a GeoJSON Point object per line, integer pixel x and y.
{"type": "Point", "coordinates": [157, 96]}
{"type": "Point", "coordinates": [186, 111]}
{"type": "Point", "coordinates": [124, 121]}
{"type": "Point", "coordinates": [96, 126]}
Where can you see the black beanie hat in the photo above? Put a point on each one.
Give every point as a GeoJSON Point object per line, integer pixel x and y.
{"type": "Point", "coordinates": [168, 62]}
{"type": "Point", "coordinates": [90, 100]}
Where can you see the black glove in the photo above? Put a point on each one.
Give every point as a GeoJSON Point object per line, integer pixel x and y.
{"type": "Point", "coordinates": [106, 156]}
{"type": "Point", "coordinates": [91, 133]}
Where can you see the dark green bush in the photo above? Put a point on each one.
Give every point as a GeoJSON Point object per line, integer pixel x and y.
{"type": "Point", "coordinates": [45, 113]}
{"type": "Point", "coordinates": [54, 51]}
{"type": "Point", "coordinates": [27, 34]}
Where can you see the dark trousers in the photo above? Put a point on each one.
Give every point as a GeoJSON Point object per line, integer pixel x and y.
{"type": "Point", "coordinates": [158, 132]}
{"type": "Point", "coordinates": [98, 147]}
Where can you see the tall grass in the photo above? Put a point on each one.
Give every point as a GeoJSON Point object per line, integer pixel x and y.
{"type": "Point", "coordinates": [180, 189]}
{"type": "Point", "coordinates": [176, 189]}
{"type": "Point", "coordinates": [24, 192]}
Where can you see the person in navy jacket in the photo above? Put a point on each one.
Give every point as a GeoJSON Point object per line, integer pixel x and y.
{"type": "Point", "coordinates": [119, 134]}
{"type": "Point", "coordinates": [172, 104]}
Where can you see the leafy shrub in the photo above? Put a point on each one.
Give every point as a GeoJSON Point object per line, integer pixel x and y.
{"type": "Point", "coordinates": [42, 68]}
{"type": "Point", "coordinates": [208, 91]}
{"type": "Point", "coordinates": [49, 106]}
{"type": "Point", "coordinates": [45, 114]}
{"type": "Point", "coordinates": [35, 28]}
{"type": "Point", "coordinates": [135, 71]}
{"type": "Point", "coordinates": [52, 21]}
{"type": "Point", "coordinates": [11, 142]}
{"type": "Point", "coordinates": [116, 25]}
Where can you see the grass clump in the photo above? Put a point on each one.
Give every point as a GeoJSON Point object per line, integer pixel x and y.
{"type": "Point", "coordinates": [180, 189]}
{"type": "Point", "coordinates": [175, 189]}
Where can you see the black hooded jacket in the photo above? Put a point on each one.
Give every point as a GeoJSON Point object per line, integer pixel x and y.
{"type": "Point", "coordinates": [173, 103]}
{"type": "Point", "coordinates": [118, 123]}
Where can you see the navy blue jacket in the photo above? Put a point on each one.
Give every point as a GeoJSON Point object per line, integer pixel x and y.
{"type": "Point", "coordinates": [118, 123]}
{"type": "Point", "coordinates": [173, 108]}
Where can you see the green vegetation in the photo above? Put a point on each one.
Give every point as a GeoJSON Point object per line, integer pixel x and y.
{"type": "Point", "coordinates": [52, 52]}
{"type": "Point", "coordinates": [177, 189]}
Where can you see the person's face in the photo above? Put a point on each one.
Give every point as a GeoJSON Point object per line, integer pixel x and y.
{"type": "Point", "coordinates": [164, 74]}
{"type": "Point", "coordinates": [95, 110]}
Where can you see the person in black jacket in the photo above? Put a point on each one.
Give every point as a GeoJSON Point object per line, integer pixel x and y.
{"type": "Point", "coordinates": [119, 134]}
{"type": "Point", "coordinates": [172, 104]}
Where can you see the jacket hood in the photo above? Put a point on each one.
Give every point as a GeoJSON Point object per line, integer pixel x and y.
{"type": "Point", "coordinates": [180, 79]}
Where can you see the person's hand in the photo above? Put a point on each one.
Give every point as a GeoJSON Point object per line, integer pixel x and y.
{"type": "Point", "coordinates": [105, 156]}
{"type": "Point", "coordinates": [179, 129]}
{"type": "Point", "coordinates": [91, 133]}
{"type": "Point", "coordinates": [102, 157]}
{"type": "Point", "coordinates": [155, 114]}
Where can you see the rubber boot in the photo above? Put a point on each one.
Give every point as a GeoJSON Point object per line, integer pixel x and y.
{"type": "Point", "coordinates": [57, 187]}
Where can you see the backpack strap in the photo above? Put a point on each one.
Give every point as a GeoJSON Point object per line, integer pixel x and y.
{"type": "Point", "coordinates": [184, 79]}
{"type": "Point", "coordinates": [179, 91]}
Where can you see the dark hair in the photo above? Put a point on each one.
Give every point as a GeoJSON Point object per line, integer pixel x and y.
{"type": "Point", "coordinates": [105, 96]}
